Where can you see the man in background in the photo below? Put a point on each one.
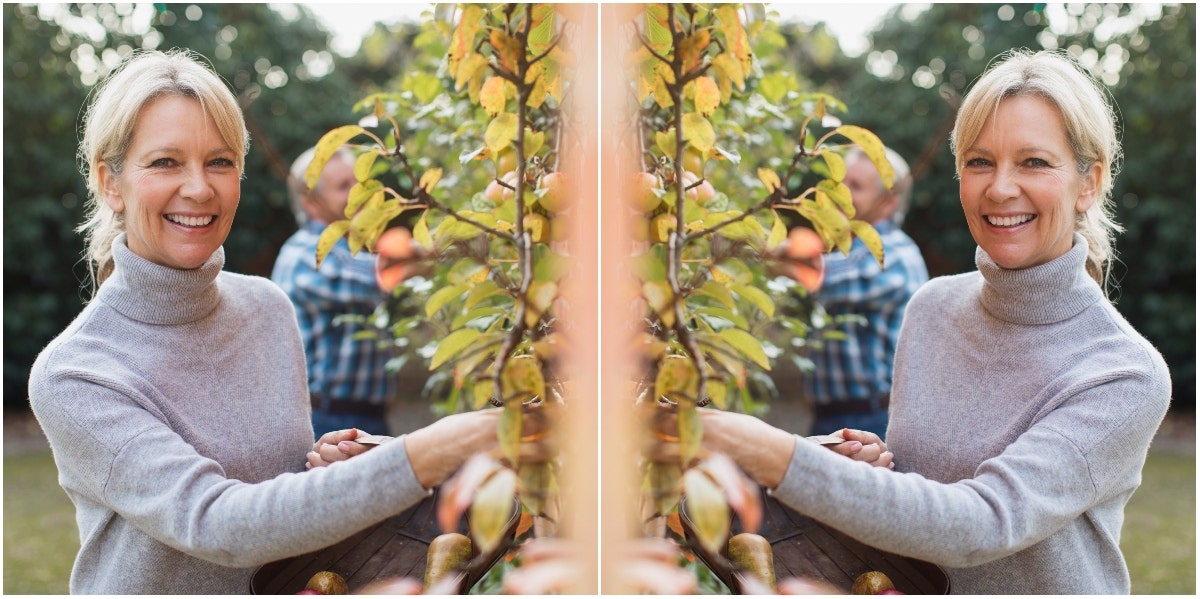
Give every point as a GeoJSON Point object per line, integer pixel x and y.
{"type": "Point", "coordinates": [347, 377]}
{"type": "Point", "coordinates": [852, 382]}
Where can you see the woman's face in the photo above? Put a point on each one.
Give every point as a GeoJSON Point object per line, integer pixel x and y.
{"type": "Point", "coordinates": [180, 185]}
{"type": "Point", "coordinates": [1019, 186]}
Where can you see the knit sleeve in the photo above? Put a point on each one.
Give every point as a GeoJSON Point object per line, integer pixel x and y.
{"type": "Point", "coordinates": [116, 454]}
{"type": "Point", "coordinates": [1086, 452]}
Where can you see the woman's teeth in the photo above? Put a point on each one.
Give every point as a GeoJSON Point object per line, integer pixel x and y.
{"type": "Point", "coordinates": [1008, 221]}
{"type": "Point", "coordinates": [191, 221]}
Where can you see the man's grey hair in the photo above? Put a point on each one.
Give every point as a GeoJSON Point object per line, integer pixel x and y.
{"type": "Point", "coordinates": [901, 188]}
{"type": "Point", "coordinates": [298, 190]}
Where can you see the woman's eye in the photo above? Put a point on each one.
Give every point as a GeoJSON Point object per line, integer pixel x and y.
{"type": "Point", "coordinates": [1037, 162]}
{"type": "Point", "coordinates": [222, 162]}
{"type": "Point", "coordinates": [161, 162]}
{"type": "Point", "coordinates": [977, 162]}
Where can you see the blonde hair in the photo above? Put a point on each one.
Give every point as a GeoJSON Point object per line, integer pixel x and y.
{"type": "Point", "coordinates": [1091, 128]}
{"type": "Point", "coordinates": [108, 128]}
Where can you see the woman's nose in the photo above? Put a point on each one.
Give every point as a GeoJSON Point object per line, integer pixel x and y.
{"type": "Point", "coordinates": [196, 186]}
{"type": "Point", "coordinates": [1003, 186]}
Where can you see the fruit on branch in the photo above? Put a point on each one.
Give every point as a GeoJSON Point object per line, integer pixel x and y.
{"type": "Point", "coordinates": [506, 162]}
{"type": "Point", "coordinates": [396, 259]}
{"type": "Point", "coordinates": [645, 194]}
{"type": "Point", "coordinates": [328, 583]}
{"type": "Point", "coordinates": [498, 193]}
{"type": "Point", "coordinates": [701, 193]}
{"type": "Point", "coordinates": [802, 258]}
{"type": "Point", "coordinates": [556, 194]}
{"type": "Point", "coordinates": [538, 227]}
{"type": "Point", "coordinates": [872, 583]}
{"type": "Point", "coordinates": [752, 554]}
{"type": "Point", "coordinates": [447, 553]}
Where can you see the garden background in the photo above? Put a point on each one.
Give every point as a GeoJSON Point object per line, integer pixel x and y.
{"type": "Point", "coordinates": [904, 86]}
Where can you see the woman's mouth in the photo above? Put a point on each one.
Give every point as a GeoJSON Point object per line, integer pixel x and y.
{"type": "Point", "coordinates": [1009, 221]}
{"type": "Point", "coordinates": [191, 221]}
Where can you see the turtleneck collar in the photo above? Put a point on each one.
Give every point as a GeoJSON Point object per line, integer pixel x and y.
{"type": "Point", "coordinates": [157, 294]}
{"type": "Point", "coordinates": [1042, 294]}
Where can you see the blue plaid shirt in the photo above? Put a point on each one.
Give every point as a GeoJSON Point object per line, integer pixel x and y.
{"type": "Point", "coordinates": [339, 366]}
{"type": "Point", "coordinates": [860, 367]}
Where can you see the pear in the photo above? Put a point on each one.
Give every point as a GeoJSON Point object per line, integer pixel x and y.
{"type": "Point", "coordinates": [328, 583]}
{"type": "Point", "coordinates": [447, 553]}
{"type": "Point", "coordinates": [752, 554]}
{"type": "Point", "coordinates": [872, 583]}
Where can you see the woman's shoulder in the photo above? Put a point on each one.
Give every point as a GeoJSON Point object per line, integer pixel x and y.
{"type": "Point", "coordinates": [947, 288]}
{"type": "Point", "coordinates": [253, 288]}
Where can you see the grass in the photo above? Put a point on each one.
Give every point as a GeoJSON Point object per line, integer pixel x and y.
{"type": "Point", "coordinates": [41, 539]}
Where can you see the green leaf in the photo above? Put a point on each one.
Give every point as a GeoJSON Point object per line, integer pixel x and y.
{"type": "Point", "coordinates": [329, 143]}
{"type": "Point", "coordinates": [836, 164]}
{"type": "Point", "coordinates": [441, 297]}
{"type": "Point", "coordinates": [534, 140]}
{"type": "Point", "coordinates": [698, 132]}
{"type": "Point", "coordinates": [748, 345]}
{"type": "Point", "coordinates": [665, 140]}
{"type": "Point", "coordinates": [484, 312]}
{"type": "Point", "coordinates": [522, 379]}
{"type": "Point", "coordinates": [722, 313]}
{"type": "Point", "coordinates": [758, 297]}
{"type": "Point", "coordinates": [717, 291]}
{"type": "Point", "coordinates": [873, 148]}
{"type": "Point", "coordinates": [424, 85]}
{"type": "Point", "coordinates": [649, 267]}
{"type": "Point", "coordinates": [329, 238]}
{"type": "Point", "coordinates": [661, 300]}
{"type": "Point", "coordinates": [677, 380]}
{"type": "Point", "coordinates": [501, 132]}
{"type": "Point", "coordinates": [452, 345]}
{"type": "Point", "coordinates": [775, 86]}
{"type": "Point", "coordinates": [484, 290]}
{"type": "Point", "coordinates": [538, 300]}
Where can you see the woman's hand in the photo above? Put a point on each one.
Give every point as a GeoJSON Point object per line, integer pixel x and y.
{"type": "Point", "coordinates": [437, 450]}
{"type": "Point", "coordinates": [864, 446]}
{"type": "Point", "coordinates": [761, 450]}
{"type": "Point", "coordinates": [334, 447]}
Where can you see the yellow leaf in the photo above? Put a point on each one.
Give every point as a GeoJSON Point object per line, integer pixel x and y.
{"type": "Point", "coordinates": [508, 432]}
{"type": "Point", "coordinates": [492, 96]}
{"type": "Point", "coordinates": [725, 65]}
{"type": "Point", "coordinates": [463, 39]}
{"type": "Point", "coordinates": [662, 484]}
{"type": "Point", "coordinates": [779, 232]}
{"type": "Point", "coordinates": [870, 236]}
{"type": "Point", "coordinates": [325, 148]}
{"type": "Point", "coordinates": [443, 296]}
{"type": "Point", "coordinates": [474, 66]}
{"type": "Point", "coordinates": [873, 148]}
{"type": "Point", "coordinates": [363, 165]}
{"type": "Point", "coordinates": [501, 132]}
{"type": "Point", "coordinates": [661, 300]}
{"type": "Point", "coordinates": [430, 178]}
{"type": "Point", "coordinates": [691, 48]}
{"type": "Point", "coordinates": [509, 48]}
{"type": "Point", "coordinates": [708, 96]}
{"type": "Point", "coordinates": [707, 509]}
{"type": "Point", "coordinates": [677, 380]}
{"type": "Point", "coordinates": [665, 140]}
{"type": "Point", "coordinates": [691, 431]}
{"type": "Point", "coordinates": [717, 392]}
{"type": "Point", "coordinates": [758, 297]}
{"type": "Point", "coordinates": [492, 509]}
{"type": "Point", "coordinates": [769, 178]}
{"type": "Point", "coordinates": [658, 31]}
{"type": "Point", "coordinates": [537, 481]}
{"type": "Point", "coordinates": [539, 298]}
{"type": "Point", "coordinates": [329, 238]}
{"type": "Point", "coordinates": [534, 140]}
{"type": "Point", "coordinates": [836, 164]}
{"type": "Point", "coordinates": [482, 392]}
{"type": "Point", "coordinates": [361, 193]}
{"type": "Point", "coordinates": [698, 132]}
{"type": "Point", "coordinates": [839, 193]}
{"type": "Point", "coordinates": [421, 232]}
{"type": "Point", "coordinates": [522, 379]}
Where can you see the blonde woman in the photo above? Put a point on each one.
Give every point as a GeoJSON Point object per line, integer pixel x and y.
{"type": "Point", "coordinates": [176, 403]}
{"type": "Point", "coordinates": [1023, 404]}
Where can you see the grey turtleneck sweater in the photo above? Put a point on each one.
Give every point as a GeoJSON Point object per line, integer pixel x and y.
{"type": "Point", "coordinates": [1022, 410]}
{"type": "Point", "coordinates": [177, 410]}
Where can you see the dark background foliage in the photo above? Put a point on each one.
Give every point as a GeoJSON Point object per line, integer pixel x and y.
{"type": "Point", "coordinates": [251, 45]}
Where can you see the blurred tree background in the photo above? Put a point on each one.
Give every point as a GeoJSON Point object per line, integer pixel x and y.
{"type": "Point", "coordinates": [905, 87]}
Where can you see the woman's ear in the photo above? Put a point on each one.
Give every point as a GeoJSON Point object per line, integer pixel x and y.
{"type": "Point", "coordinates": [1089, 189]}
{"type": "Point", "coordinates": [109, 187]}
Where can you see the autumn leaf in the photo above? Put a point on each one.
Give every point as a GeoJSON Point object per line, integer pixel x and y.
{"type": "Point", "coordinates": [452, 345]}
{"type": "Point", "coordinates": [677, 379]}
{"type": "Point", "coordinates": [492, 96]}
{"type": "Point", "coordinates": [691, 431]}
{"type": "Point", "coordinates": [769, 178]}
{"type": "Point", "coordinates": [501, 132]}
{"type": "Point", "coordinates": [749, 346]}
{"type": "Point", "coordinates": [698, 132]}
{"type": "Point", "coordinates": [707, 509]}
{"type": "Point", "coordinates": [429, 179]}
{"type": "Point", "coordinates": [870, 237]}
{"type": "Point", "coordinates": [708, 96]}
{"type": "Point", "coordinates": [492, 509]}
{"type": "Point", "coordinates": [363, 165]}
{"type": "Point", "coordinates": [324, 150]}
{"type": "Point", "coordinates": [329, 238]}
{"type": "Point", "coordinates": [873, 148]}
{"type": "Point", "coordinates": [522, 379]}
{"type": "Point", "coordinates": [508, 432]}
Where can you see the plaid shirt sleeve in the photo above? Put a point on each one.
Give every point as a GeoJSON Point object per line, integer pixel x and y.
{"type": "Point", "coordinates": [860, 367]}
{"type": "Point", "coordinates": [339, 366]}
